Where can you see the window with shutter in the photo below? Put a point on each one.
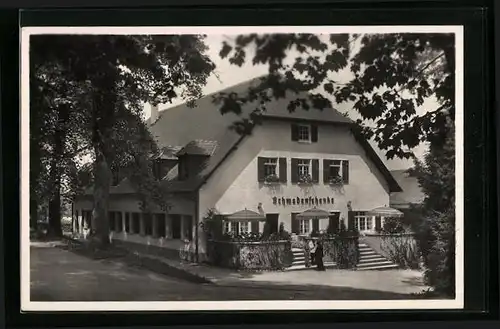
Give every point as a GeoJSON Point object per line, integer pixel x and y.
{"type": "Point", "coordinates": [304, 133]}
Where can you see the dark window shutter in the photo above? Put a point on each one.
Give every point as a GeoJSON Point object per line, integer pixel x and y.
{"type": "Point", "coordinates": [295, 171]}
{"type": "Point", "coordinates": [333, 223]}
{"type": "Point", "coordinates": [295, 224]}
{"type": "Point", "coordinates": [260, 169]}
{"type": "Point", "coordinates": [315, 170]}
{"type": "Point", "coordinates": [350, 220]}
{"type": "Point", "coordinates": [314, 133]}
{"type": "Point", "coordinates": [255, 227]}
{"type": "Point", "coordinates": [315, 225]}
{"type": "Point", "coordinates": [295, 132]}
{"type": "Point", "coordinates": [236, 227]}
{"type": "Point", "coordinates": [282, 169]}
{"type": "Point", "coordinates": [326, 171]}
{"type": "Point", "coordinates": [345, 171]}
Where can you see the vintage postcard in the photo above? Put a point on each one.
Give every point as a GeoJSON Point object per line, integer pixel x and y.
{"type": "Point", "coordinates": [228, 168]}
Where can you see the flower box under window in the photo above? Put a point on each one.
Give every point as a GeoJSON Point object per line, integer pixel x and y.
{"type": "Point", "coordinates": [305, 179]}
{"type": "Point", "coordinates": [336, 180]}
{"type": "Point", "coordinates": [271, 179]}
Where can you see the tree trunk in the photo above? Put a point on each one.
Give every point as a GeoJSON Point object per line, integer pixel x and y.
{"type": "Point", "coordinates": [56, 173]}
{"type": "Point", "coordinates": [102, 183]}
{"type": "Point", "coordinates": [55, 229]}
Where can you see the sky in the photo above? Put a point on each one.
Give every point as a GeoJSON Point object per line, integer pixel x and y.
{"type": "Point", "coordinates": [226, 75]}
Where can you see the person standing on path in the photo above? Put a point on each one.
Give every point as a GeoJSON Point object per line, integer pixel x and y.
{"type": "Point", "coordinates": [318, 256]}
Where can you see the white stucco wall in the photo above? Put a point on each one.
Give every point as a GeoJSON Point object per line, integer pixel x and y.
{"type": "Point", "coordinates": [235, 187]}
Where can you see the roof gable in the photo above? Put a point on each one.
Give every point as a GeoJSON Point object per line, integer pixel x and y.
{"type": "Point", "coordinates": [204, 130]}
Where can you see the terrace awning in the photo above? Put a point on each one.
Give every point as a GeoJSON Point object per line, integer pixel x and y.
{"type": "Point", "coordinates": [385, 212]}
{"type": "Point", "coordinates": [245, 215]}
{"type": "Point", "coordinates": [313, 213]}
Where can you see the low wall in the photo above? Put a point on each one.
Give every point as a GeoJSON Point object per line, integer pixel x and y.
{"type": "Point", "coordinates": [343, 251]}
{"type": "Point", "coordinates": [259, 255]}
{"type": "Point", "coordinates": [401, 248]}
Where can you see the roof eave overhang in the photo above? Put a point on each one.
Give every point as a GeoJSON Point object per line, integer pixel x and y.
{"type": "Point", "coordinates": [291, 119]}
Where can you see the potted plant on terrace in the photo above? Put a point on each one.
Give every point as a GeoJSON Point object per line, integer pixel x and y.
{"type": "Point", "coordinates": [305, 179]}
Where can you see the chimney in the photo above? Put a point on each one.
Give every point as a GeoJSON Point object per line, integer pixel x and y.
{"type": "Point", "coordinates": [154, 113]}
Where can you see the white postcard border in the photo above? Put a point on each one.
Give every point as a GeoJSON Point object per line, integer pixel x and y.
{"type": "Point", "coordinates": [27, 305]}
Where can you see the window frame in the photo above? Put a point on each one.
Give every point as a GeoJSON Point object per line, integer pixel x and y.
{"type": "Point", "coordinates": [332, 165]}
{"type": "Point", "coordinates": [248, 226]}
{"type": "Point", "coordinates": [268, 162]}
{"type": "Point", "coordinates": [309, 133]}
{"type": "Point", "coordinates": [362, 216]}
{"type": "Point", "coordinates": [309, 226]}
{"type": "Point", "coordinates": [231, 226]}
{"type": "Point", "coordinates": [308, 165]}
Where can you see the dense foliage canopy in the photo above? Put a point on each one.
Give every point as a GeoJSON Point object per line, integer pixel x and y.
{"type": "Point", "coordinates": [87, 95]}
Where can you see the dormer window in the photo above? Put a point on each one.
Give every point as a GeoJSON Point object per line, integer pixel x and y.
{"type": "Point", "coordinates": [304, 133]}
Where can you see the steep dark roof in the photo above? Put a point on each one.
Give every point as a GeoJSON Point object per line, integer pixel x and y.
{"type": "Point", "coordinates": [183, 125]}
{"type": "Point", "coordinates": [168, 152]}
{"type": "Point", "coordinates": [199, 147]}
{"type": "Point", "coordinates": [411, 191]}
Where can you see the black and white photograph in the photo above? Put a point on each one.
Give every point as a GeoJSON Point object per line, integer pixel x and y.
{"type": "Point", "coordinates": [241, 168]}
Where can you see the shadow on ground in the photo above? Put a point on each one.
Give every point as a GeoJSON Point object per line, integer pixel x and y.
{"type": "Point", "coordinates": [59, 275]}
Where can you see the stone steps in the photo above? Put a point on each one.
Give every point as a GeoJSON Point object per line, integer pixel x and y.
{"type": "Point", "coordinates": [299, 259]}
{"type": "Point", "coordinates": [371, 260]}
{"type": "Point", "coordinates": [368, 260]}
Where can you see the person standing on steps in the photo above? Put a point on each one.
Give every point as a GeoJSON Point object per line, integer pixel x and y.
{"type": "Point", "coordinates": [318, 256]}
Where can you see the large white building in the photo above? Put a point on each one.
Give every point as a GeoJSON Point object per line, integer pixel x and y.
{"type": "Point", "coordinates": [291, 162]}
